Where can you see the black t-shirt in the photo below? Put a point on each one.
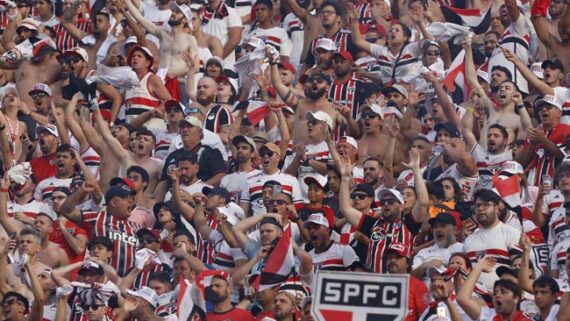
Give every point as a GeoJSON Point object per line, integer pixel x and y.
{"type": "Point", "coordinates": [210, 160]}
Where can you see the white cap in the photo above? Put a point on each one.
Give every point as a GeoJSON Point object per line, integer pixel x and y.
{"type": "Point", "coordinates": [537, 70]}
{"type": "Point", "coordinates": [30, 23]}
{"type": "Point", "coordinates": [390, 191]}
{"type": "Point", "coordinates": [244, 139]}
{"type": "Point", "coordinates": [551, 100]}
{"type": "Point", "coordinates": [10, 88]}
{"type": "Point", "coordinates": [326, 44]}
{"type": "Point", "coordinates": [40, 87]}
{"type": "Point", "coordinates": [398, 88]}
{"type": "Point", "coordinates": [349, 140]}
{"type": "Point", "coordinates": [77, 52]}
{"type": "Point", "coordinates": [192, 121]}
{"type": "Point", "coordinates": [375, 108]}
{"type": "Point", "coordinates": [321, 116]}
{"type": "Point", "coordinates": [185, 9]}
{"type": "Point", "coordinates": [512, 167]}
{"type": "Point", "coordinates": [316, 178]}
{"type": "Point", "coordinates": [50, 128]}
{"type": "Point", "coordinates": [317, 218]}
{"type": "Point", "coordinates": [148, 294]}
{"type": "Point", "coordinates": [483, 75]}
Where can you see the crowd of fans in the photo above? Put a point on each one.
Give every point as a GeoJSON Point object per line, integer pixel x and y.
{"type": "Point", "coordinates": [151, 148]}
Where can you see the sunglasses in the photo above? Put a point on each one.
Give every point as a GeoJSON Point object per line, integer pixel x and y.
{"type": "Point", "coordinates": [148, 241]}
{"type": "Point", "coordinates": [73, 60]}
{"type": "Point", "coordinates": [38, 95]}
{"type": "Point", "coordinates": [87, 307]}
{"type": "Point", "coordinates": [277, 202]}
{"type": "Point", "coordinates": [371, 40]}
{"type": "Point", "coordinates": [267, 153]}
{"type": "Point", "coordinates": [369, 116]}
{"type": "Point", "coordinates": [388, 202]}
{"type": "Point", "coordinates": [433, 53]}
{"type": "Point", "coordinates": [358, 196]}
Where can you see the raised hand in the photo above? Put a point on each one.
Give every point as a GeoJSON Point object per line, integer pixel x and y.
{"type": "Point", "coordinates": [414, 162]}
{"type": "Point", "coordinates": [345, 167]}
{"type": "Point", "coordinates": [264, 251]}
{"type": "Point", "coordinates": [508, 54]}
{"type": "Point", "coordinates": [524, 242]}
{"type": "Point", "coordinates": [487, 263]}
{"type": "Point", "coordinates": [351, 11]}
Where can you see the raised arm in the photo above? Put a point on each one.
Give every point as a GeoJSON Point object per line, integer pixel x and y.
{"type": "Point", "coordinates": [464, 296]}
{"type": "Point", "coordinates": [113, 144]}
{"type": "Point", "coordinates": [149, 26]}
{"type": "Point", "coordinates": [59, 275]}
{"type": "Point", "coordinates": [352, 215]}
{"type": "Point", "coordinates": [420, 209]}
{"type": "Point", "coordinates": [467, 131]}
{"type": "Point", "coordinates": [8, 34]}
{"type": "Point", "coordinates": [465, 162]}
{"type": "Point", "coordinates": [471, 75]}
{"type": "Point", "coordinates": [73, 125]}
{"type": "Point", "coordinates": [284, 92]}
{"type": "Point", "coordinates": [513, 10]}
{"type": "Point", "coordinates": [37, 309]}
{"type": "Point", "coordinates": [4, 220]}
{"type": "Point", "coordinates": [357, 38]}
{"type": "Point", "coordinates": [241, 228]}
{"type": "Point", "coordinates": [393, 128]}
{"type": "Point", "coordinates": [69, 25]}
{"type": "Point", "coordinates": [297, 10]}
{"type": "Point", "coordinates": [69, 207]}
{"type": "Point", "coordinates": [91, 134]}
{"type": "Point", "coordinates": [542, 87]}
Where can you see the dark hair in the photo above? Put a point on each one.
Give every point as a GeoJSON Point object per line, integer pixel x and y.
{"type": "Point", "coordinates": [546, 281]}
{"type": "Point", "coordinates": [487, 195]}
{"type": "Point", "coordinates": [374, 159]}
{"type": "Point", "coordinates": [101, 240]}
{"type": "Point", "coordinates": [268, 3]}
{"type": "Point", "coordinates": [498, 35]}
{"type": "Point", "coordinates": [407, 31]}
{"type": "Point", "coordinates": [435, 189]}
{"type": "Point", "coordinates": [501, 128]}
{"type": "Point", "coordinates": [503, 69]}
{"type": "Point", "coordinates": [18, 297]}
{"type": "Point", "coordinates": [336, 5]}
{"type": "Point", "coordinates": [160, 276]}
{"type": "Point", "coordinates": [563, 168]}
{"type": "Point", "coordinates": [189, 235]}
{"type": "Point", "coordinates": [139, 170]}
{"type": "Point", "coordinates": [28, 230]}
{"type": "Point", "coordinates": [464, 257]}
{"type": "Point", "coordinates": [143, 131]}
{"type": "Point", "coordinates": [65, 148]}
{"type": "Point", "coordinates": [271, 220]}
{"type": "Point", "coordinates": [509, 285]}
{"type": "Point", "coordinates": [457, 195]}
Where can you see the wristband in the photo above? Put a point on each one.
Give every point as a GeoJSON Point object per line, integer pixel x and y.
{"type": "Point", "coordinates": [345, 178]}
{"type": "Point", "coordinates": [273, 63]}
{"type": "Point", "coordinates": [3, 190]}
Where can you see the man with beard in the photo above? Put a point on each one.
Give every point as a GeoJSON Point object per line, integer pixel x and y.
{"type": "Point", "coordinates": [46, 13]}
{"type": "Point", "coordinates": [43, 98]}
{"type": "Point", "coordinates": [554, 43]}
{"type": "Point", "coordinates": [173, 45]}
{"type": "Point", "coordinates": [424, 147]}
{"type": "Point", "coordinates": [218, 117]}
{"type": "Point", "coordinates": [22, 206]}
{"type": "Point", "coordinates": [315, 88]}
{"type": "Point", "coordinates": [96, 44]}
{"type": "Point", "coordinates": [65, 168]}
{"type": "Point", "coordinates": [490, 42]}
{"type": "Point", "coordinates": [219, 293]}
{"type": "Point", "coordinates": [185, 175]}
{"type": "Point", "coordinates": [43, 167]}
{"type": "Point", "coordinates": [493, 237]}
{"type": "Point", "coordinates": [506, 295]}
{"type": "Point", "coordinates": [324, 50]}
{"type": "Point", "coordinates": [444, 234]}
{"type": "Point", "coordinates": [236, 182]}
{"type": "Point", "coordinates": [285, 307]}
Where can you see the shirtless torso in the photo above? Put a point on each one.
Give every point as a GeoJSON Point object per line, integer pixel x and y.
{"type": "Point", "coordinates": [509, 120]}
{"type": "Point", "coordinates": [28, 74]}
{"type": "Point", "coordinates": [304, 106]}
{"type": "Point", "coordinates": [171, 48]}
{"type": "Point", "coordinates": [213, 44]}
{"type": "Point", "coordinates": [53, 256]}
{"type": "Point", "coordinates": [153, 167]}
{"type": "Point", "coordinates": [313, 28]}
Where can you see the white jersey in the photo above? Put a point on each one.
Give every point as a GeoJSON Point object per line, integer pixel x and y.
{"type": "Point", "coordinates": [45, 188]}
{"type": "Point", "coordinates": [467, 184]}
{"type": "Point", "coordinates": [50, 23]}
{"type": "Point", "coordinates": [190, 189]}
{"type": "Point", "coordinates": [218, 25]}
{"type": "Point", "coordinates": [30, 209]}
{"type": "Point", "coordinates": [319, 152]}
{"type": "Point", "coordinates": [236, 182]}
{"type": "Point", "coordinates": [163, 140]}
{"type": "Point", "coordinates": [252, 194]}
{"type": "Point", "coordinates": [563, 94]}
{"type": "Point", "coordinates": [500, 241]}
{"type": "Point", "coordinates": [558, 229]}
{"type": "Point", "coordinates": [408, 176]}
{"type": "Point", "coordinates": [276, 37]}
{"type": "Point", "coordinates": [435, 252]}
{"type": "Point", "coordinates": [337, 257]}
{"type": "Point", "coordinates": [294, 27]}
{"type": "Point", "coordinates": [102, 52]}
{"type": "Point", "coordinates": [488, 164]}
{"type": "Point", "coordinates": [210, 139]}
{"type": "Point", "coordinates": [406, 62]}
{"type": "Point", "coordinates": [224, 255]}
{"type": "Point", "coordinates": [558, 259]}
{"type": "Point", "coordinates": [432, 315]}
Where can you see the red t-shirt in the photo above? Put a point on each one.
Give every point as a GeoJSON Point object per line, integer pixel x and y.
{"type": "Point", "coordinates": [232, 315]}
{"type": "Point", "coordinates": [417, 299]}
{"type": "Point", "coordinates": [57, 237]}
{"type": "Point", "coordinates": [43, 167]}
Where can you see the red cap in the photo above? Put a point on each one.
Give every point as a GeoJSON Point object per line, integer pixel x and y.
{"type": "Point", "coordinates": [122, 181]}
{"type": "Point", "coordinates": [288, 66]}
{"type": "Point", "coordinates": [400, 248]}
{"type": "Point", "coordinates": [344, 54]}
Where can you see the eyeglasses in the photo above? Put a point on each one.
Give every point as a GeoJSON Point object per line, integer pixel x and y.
{"type": "Point", "coordinates": [134, 178]}
{"type": "Point", "coordinates": [265, 153]}
{"type": "Point", "coordinates": [86, 307]}
{"type": "Point", "coordinates": [388, 202]}
{"type": "Point", "coordinates": [191, 110]}
{"type": "Point", "coordinates": [360, 196]}
{"type": "Point", "coordinates": [53, 198]}
{"type": "Point", "coordinates": [277, 202]}
{"type": "Point", "coordinates": [38, 95]}
{"type": "Point", "coordinates": [482, 205]}
{"type": "Point", "coordinates": [368, 116]}
{"type": "Point", "coordinates": [433, 53]}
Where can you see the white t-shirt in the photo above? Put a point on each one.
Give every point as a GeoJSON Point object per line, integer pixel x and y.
{"type": "Point", "coordinates": [219, 29]}
{"type": "Point", "coordinates": [277, 37]}
{"type": "Point", "coordinates": [236, 182]}
{"type": "Point", "coordinates": [435, 252]}
{"type": "Point", "coordinates": [488, 164]}
{"type": "Point", "coordinates": [45, 188]}
{"type": "Point", "coordinates": [252, 194]}
{"type": "Point", "coordinates": [407, 64]}
{"type": "Point", "coordinates": [337, 257]}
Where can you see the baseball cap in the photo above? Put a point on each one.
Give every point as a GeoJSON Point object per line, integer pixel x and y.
{"type": "Point", "coordinates": [146, 52]}
{"type": "Point", "coordinates": [118, 191]}
{"type": "Point", "coordinates": [512, 167]}
{"type": "Point", "coordinates": [549, 99]}
{"type": "Point", "coordinates": [400, 248]}
{"type": "Point", "coordinates": [122, 181]}
{"type": "Point", "coordinates": [40, 88]}
{"type": "Point", "coordinates": [553, 63]}
{"type": "Point", "coordinates": [449, 127]}
{"type": "Point", "coordinates": [326, 44]}
{"type": "Point", "coordinates": [441, 270]}
{"type": "Point", "coordinates": [397, 88]}
{"type": "Point", "coordinates": [344, 54]}
{"type": "Point", "coordinates": [91, 267]}
{"type": "Point", "coordinates": [566, 204]}
{"type": "Point", "coordinates": [103, 11]}
{"type": "Point", "coordinates": [537, 70]}
{"type": "Point", "coordinates": [169, 205]}
{"type": "Point", "coordinates": [348, 140]}
{"type": "Point", "coordinates": [501, 270]}
{"type": "Point", "coordinates": [62, 189]}
{"type": "Point", "coordinates": [391, 192]}
{"type": "Point", "coordinates": [217, 191]}
{"type": "Point", "coordinates": [49, 128]}
{"type": "Point", "coordinates": [375, 108]}
{"type": "Point", "coordinates": [169, 104]}
{"type": "Point", "coordinates": [145, 231]}
{"type": "Point", "coordinates": [244, 139]}
{"type": "Point", "coordinates": [216, 60]}
{"type": "Point", "coordinates": [29, 23]}
{"type": "Point", "coordinates": [321, 116]}
{"type": "Point", "coordinates": [319, 219]}
{"type": "Point", "coordinates": [272, 147]}
{"type": "Point", "coordinates": [483, 75]}
{"type": "Point", "coordinates": [287, 66]}
{"type": "Point", "coordinates": [364, 188]}
{"type": "Point", "coordinates": [193, 121]}
{"type": "Point", "coordinates": [444, 218]}
{"type": "Point", "coordinates": [77, 51]}
{"type": "Point", "coordinates": [185, 9]}
{"type": "Point", "coordinates": [146, 293]}
{"type": "Point", "coordinates": [19, 297]}
{"type": "Point", "coordinates": [316, 178]}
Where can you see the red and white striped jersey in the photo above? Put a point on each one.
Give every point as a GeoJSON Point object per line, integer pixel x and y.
{"type": "Point", "coordinates": [563, 94]}
{"type": "Point", "coordinates": [558, 229]}
{"type": "Point", "coordinates": [338, 257]}
{"type": "Point", "coordinates": [121, 232]}
{"type": "Point", "coordinates": [163, 139]}
{"type": "Point", "coordinates": [558, 259]}
{"type": "Point", "coordinates": [224, 255]}
{"type": "Point", "coordinates": [64, 41]}
{"type": "Point", "coordinates": [544, 163]}
{"type": "Point", "coordinates": [364, 13]}
{"type": "Point", "coordinates": [45, 187]}
{"type": "Point", "coordinates": [276, 37]}
{"type": "Point", "coordinates": [218, 117]}
{"type": "Point", "coordinates": [30, 209]}
{"type": "Point", "coordinates": [488, 164]}
{"type": "Point", "coordinates": [236, 182]}
{"type": "Point", "coordinates": [406, 63]}
{"type": "Point", "coordinates": [142, 279]}
{"type": "Point", "coordinates": [500, 241]}
{"type": "Point", "coordinates": [318, 152]}
{"type": "Point", "coordinates": [467, 184]}
{"type": "Point", "coordinates": [91, 160]}
{"type": "Point", "coordinates": [139, 99]}
{"type": "Point", "coordinates": [252, 194]}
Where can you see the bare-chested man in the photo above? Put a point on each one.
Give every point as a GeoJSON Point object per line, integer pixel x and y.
{"type": "Point", "coordinates": [50, 253]}
{"type": "Point", "coordinates": [208, 45]}
{"type": "Point", "coordinates": [12, 127]}
{"type": "Point", "coordinates": [311, 22]}
{"type": "Point", "coordinates": [172, 44]}
{"type": "Point", "coordinates": [550, 40]}
{"type": "Point", "coordinates": [96, 44]}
